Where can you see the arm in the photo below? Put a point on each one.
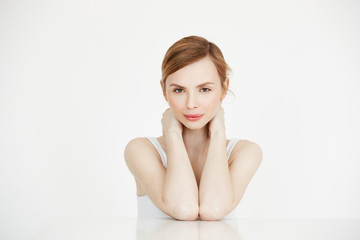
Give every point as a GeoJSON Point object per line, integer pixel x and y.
{"type": "Point", "coordinates": [173, 190]}
{"type": "Point", "coordinates": [180, 187]}
{"type": "Point", "coordinates": [222, 185]}
{"type": "Point", "coordinates": [173, 197]}
{"type": "Point", "coordinates": [216, 190]}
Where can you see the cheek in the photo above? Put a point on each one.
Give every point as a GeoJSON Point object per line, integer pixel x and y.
{"type": "Point", "coordinates": [174, 103]}
{"type": "Point", "coordinates": [213, 106]}
{"type": "Point", "coordinates": [213, 102]}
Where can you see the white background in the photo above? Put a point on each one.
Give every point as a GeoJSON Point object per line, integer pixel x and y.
{"type": "Point", "coordinates": [79, 79]}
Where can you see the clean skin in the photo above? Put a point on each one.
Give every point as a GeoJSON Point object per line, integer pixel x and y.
{"type": "Point", "coordinates": [194, 89]}
{"type": "Point", "coordinates": [199, 181]}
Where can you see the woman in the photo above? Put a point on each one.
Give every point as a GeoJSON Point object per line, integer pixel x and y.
{"type": "Point", "coordinates": [192, 171]}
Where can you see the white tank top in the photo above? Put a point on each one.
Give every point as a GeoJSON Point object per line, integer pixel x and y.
{"type": "Point", "coordinates": [147, 209]}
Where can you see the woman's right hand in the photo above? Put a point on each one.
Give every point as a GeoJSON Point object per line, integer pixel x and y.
{"type": "Point", "coordinates": [170, 123]}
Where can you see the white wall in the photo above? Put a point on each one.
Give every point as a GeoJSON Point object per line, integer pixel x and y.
{"type": "Point", "coordinates": [79, 79]}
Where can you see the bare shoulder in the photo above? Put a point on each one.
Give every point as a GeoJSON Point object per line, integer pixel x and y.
{"type": "Point", "coordinates": [246, 159]}
{"type": "Point", "coordinates": [144, 162]}
{"type": "Point", "coordinates": [137, 141]}
{"type": "Point", "coordinates": [246, 144]}
{"type": "Point", "coordinates": [139, 146]}
{"type": "Point", "coordinates": [247, 150]}
{"type": "Point", "coordinates": [140, 152]}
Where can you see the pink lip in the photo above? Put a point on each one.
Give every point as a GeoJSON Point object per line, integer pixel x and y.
{"type": "Point", "coordinates": [193, 117]}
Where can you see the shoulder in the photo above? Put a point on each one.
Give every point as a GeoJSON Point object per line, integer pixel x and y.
{"type": "Point", "coordinates": [139, 146]}
{"type": "Point", "coordinates": [247, 150]}
{"type": "Point", "coordinates": [135, 144]}
{"type": "Point", "coordinates": [247, 144]}
{"type": "Point", "coordinates": [144, 162]}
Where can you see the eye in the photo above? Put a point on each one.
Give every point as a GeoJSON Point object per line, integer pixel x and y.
{"type": "Point", "coordinates": [176, 90]}
{"type": "Point", "coordinates": [206, 89]}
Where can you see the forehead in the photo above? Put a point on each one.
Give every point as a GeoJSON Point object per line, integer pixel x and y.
{"type": "Point", "coordinates": [196, 73]}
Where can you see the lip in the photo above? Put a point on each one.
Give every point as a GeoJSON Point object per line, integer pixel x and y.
{"type": "Point", "coordinates": [193, 117]}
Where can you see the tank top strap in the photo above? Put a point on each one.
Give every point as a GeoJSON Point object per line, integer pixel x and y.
{"type": "Point", "coordinates": [159, 148]}
{"type": "Point", "coordinates": [231, 146]}
{"type": "Point", "coordinates": [162, 153]}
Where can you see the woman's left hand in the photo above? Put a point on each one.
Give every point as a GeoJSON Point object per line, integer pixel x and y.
{"type": "Point", "coordinates": [218, 122]}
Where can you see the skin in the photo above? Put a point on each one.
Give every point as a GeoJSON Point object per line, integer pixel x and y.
{"type": "Point", "coordinates": [198, 182]}
{"type": "Point", "coordinates": [191, 99]}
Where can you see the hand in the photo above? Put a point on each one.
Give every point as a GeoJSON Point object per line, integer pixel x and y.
{"type": "Point", "coordinates": [218, 122]}
{"type": "Point", "coordinates": [170, 123]}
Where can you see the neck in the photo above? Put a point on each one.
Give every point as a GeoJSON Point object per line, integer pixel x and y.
{"type": "Point", "coordinates": [196, 140]}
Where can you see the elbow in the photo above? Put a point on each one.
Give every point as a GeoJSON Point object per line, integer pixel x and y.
{"type": "Point", "coordinates": [214, 209]}
{"type": "Point", "coordinates": [184, 212]}
{"type": "Point", "coordinates": [211, 213]}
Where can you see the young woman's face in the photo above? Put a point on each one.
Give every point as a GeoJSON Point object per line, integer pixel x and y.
{"type": "Point", "coordinates": [195, 89]}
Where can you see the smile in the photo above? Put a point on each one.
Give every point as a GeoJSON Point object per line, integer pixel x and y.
{"type": "Point", "coordinates": [193, 117]}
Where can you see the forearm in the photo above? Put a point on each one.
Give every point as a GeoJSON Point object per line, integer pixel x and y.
{"type": "Point", "coordinates": [215, 190]}
{"type": "Point", "coordinates": [180, 191]}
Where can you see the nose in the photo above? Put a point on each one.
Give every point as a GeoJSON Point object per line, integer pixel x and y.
{"type": "Point", "coordinates": [191, 101]}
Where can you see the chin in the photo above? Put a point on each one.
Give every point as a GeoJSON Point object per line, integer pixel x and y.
{"type": "Point", "coordinates": [194, 125]}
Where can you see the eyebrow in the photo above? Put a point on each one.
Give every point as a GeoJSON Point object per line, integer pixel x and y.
{"type": "Point", "coordinates": [203, 84]}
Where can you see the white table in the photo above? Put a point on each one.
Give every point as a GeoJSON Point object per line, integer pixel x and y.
{"type": "Point", "coordinates": [68, 228]}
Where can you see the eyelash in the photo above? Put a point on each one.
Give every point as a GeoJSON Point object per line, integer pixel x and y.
{"type": "Point", "coordinates": [175, 90]}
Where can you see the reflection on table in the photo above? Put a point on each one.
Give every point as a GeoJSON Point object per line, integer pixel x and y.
{"type": "Point", "coordinates": [191, 230]}
{"type": "Point", "coordinates": [161, 228]}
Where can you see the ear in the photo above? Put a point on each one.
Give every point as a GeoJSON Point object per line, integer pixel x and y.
{"type": "Point", "coordinates": [163, 89]}
{"type": "Point", "coordinates": [224, 92]}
